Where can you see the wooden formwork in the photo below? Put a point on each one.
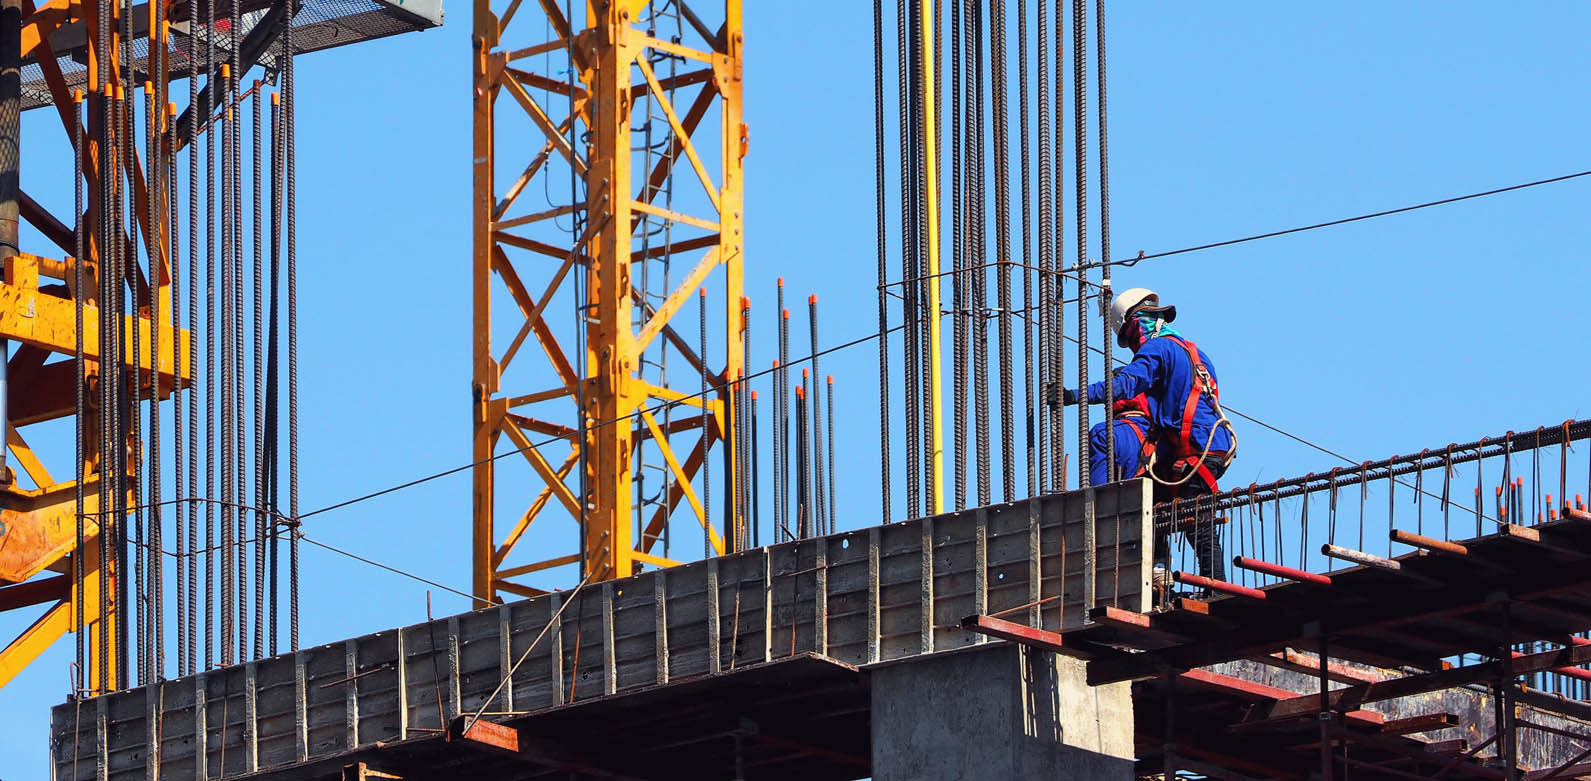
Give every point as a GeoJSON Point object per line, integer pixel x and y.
{"type": "Point", "coordinates": [863, 597]}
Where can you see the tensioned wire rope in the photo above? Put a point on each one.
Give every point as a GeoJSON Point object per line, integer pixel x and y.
{"type": "Point", "coordinates": [872, 336]}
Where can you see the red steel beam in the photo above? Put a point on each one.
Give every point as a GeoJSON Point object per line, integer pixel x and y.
{"type": "Point", "coordinates": [1280, 571]}
{"type": "Point", "coordinates": [1429, 543]}
{"type": "Point", "coordinates": [1022, 634]}
{"type": "Point", "coordinates": [1353, 696]}
{"type": "Point", "coordinates": [1217, 585]}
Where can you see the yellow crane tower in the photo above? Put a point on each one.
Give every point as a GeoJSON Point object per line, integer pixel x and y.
{"type": "Point", "coordinates": [625, 125]}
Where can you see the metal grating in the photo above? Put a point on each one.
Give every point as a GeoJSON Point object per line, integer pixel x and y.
{"type": "Point", "coordinates": [319, 25]}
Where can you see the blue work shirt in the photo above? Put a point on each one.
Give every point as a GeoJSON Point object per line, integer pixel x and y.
{"type": "Point", "coordinates": [1162, 371]}
{"type": "Point", "coordinates": [1129, 446]}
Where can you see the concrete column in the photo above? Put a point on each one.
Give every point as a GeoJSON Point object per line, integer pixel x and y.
{"type": "Point", "coordinates": [998, 712]}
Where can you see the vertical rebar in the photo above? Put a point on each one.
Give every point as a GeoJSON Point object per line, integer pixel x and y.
{"type": "Point", "coordinates": [781, 432]}
{"type": "Point", "coordinates": [756, 478]}
{"type": "Point", "coordinates": [1104, 239]}
{"type": "Point", "coordinates": [290, 213]}
{"type": "Point", "coordinates": [1029, 443]}
{"type": "Point", "coordinates": [1002, 229]}
{"type": "Point", "coordinates": [1057, 337]}
{"type": "Point", "coordinates": [178, 441]}
{"type": "Point", "coordinates": [1080, 172]}
{"type": "Point", "coordinates": [80, 422]}
{"type": "Point", "coordinates": [210, 359]}
{"type": "Point", "coordinates": [803, 528]}
{"type": "Point", "coordinates": [192, 509]}
{"type": "Point", "coordinates": [1046, 243]}
{"type": "Point", "coordinates": [272, 375]}
{"type": "Point", "coordinates": [834, 477]}
{"type": "Point", "coordinates": [155, 176]}
{"type": "Point", "coordinates": [977, 260]}
{"type": "Point", "coordinates": [748, 474]}
{"type": "Point", "coordinates": [707, 463]}
{"type": "Point", "coordinates": [881, 227]}
{"type": "Point", "coordinates": [260, 520]}
{"type": "Point", "coordinates": [778, 444]}
{"type": "Point", "coordinates": [819, 515]}
{"type": "Point", "coordinates": [909, 220]}
{"type": "Point", "coordinates": [787, 496]}
{"type": "Point", "coordinates": [960, 217]}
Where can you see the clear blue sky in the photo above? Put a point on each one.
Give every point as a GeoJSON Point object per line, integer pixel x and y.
{"type": "Point", "coordinates": [1230, 119]}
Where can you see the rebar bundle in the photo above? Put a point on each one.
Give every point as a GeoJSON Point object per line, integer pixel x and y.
{"type": "Point", "coordinates": [132, 268]}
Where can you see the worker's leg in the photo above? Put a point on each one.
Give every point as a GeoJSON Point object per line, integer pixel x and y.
{"type": "Point", "coordinates": [1205, 536]}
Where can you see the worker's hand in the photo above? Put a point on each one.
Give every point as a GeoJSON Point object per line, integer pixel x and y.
{"type": "Point", "coordinates": [1056, 396]}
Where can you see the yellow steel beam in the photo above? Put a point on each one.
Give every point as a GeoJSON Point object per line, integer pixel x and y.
{"type": "Point", "coordinates": [49, 322]}
{"type": "Point", "coordinates": [55, 622]}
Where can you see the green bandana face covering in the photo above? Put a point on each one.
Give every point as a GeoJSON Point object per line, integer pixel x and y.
{"type": "Point", "coordinates": [1152, 326]}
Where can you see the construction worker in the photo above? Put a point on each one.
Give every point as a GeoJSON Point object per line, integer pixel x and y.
{"type": "Point", "coordinates": [1135, 442]}
{"type": "Point", "coordinates": [1195, 441]}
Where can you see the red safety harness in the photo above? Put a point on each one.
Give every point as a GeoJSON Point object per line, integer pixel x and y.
{"type": "Point", "coordinates": [1146, 446]}
{"type": "Point", "coordinates": [1186, 454]}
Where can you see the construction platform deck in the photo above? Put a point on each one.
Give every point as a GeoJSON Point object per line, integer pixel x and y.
{"type": "Point", "coordinates": [723, 635]}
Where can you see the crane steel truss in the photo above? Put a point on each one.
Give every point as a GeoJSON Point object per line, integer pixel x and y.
{"type": "Point", "coordinates": [605, 177]}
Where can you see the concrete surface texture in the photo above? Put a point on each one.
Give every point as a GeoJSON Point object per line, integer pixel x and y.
{"type": "Point", "coordinates": [998, 712]}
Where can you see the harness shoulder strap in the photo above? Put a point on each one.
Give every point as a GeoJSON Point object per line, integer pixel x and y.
{"type": "Point", "coordinates": [1201, 382]}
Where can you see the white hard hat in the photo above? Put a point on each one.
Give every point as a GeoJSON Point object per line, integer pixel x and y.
{"type": "Point", "coordinates": [1130, 302]}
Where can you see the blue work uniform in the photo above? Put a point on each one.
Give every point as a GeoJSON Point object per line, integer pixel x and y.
{"type": "Point", "coordinates": [1130, 456]}
{"type": "Point", "coordinates": [1162, 372]}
